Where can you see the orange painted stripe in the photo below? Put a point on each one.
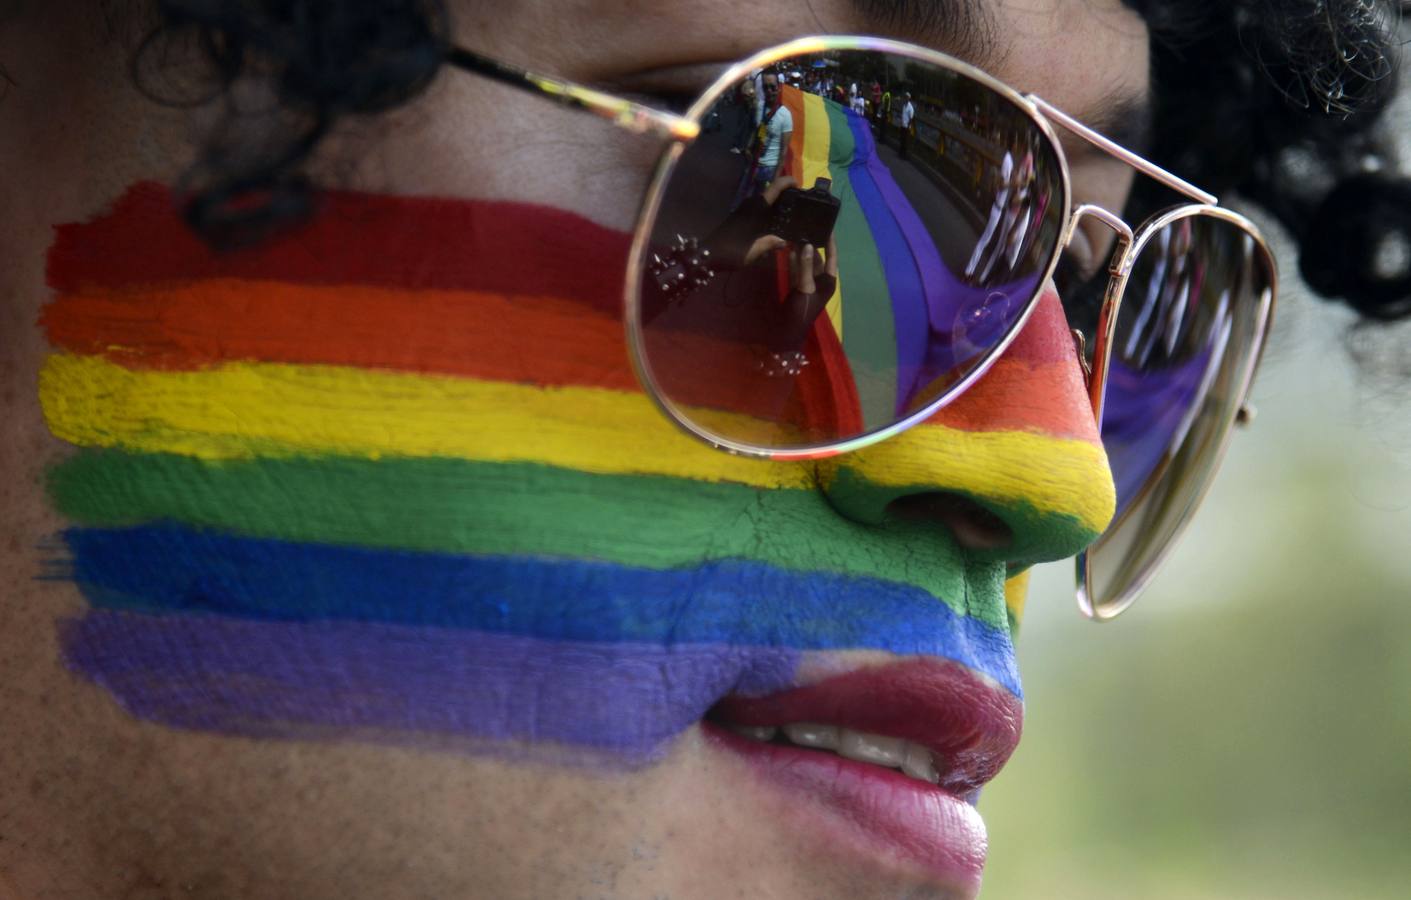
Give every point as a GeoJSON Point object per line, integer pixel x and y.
{"type": "Point", "coordinates": [1047, 398]}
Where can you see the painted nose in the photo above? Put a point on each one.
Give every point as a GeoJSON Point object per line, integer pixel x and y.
{"type": "Point", "coordinates": [1013, 468]}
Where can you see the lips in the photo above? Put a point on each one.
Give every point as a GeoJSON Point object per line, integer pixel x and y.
{"type": "Point", "coordinates": [969, 724]}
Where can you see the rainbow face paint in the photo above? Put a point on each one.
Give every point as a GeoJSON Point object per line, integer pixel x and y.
{"type": "Point", "coordinates": [391, 479]}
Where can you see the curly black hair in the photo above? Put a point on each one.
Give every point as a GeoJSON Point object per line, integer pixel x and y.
{"type": "Point", "coordinates": [310, 63]}
{"type": "Point", "coordinates": [1274, 100]}
{"type": "Point", "coordinates": [1279, 101]}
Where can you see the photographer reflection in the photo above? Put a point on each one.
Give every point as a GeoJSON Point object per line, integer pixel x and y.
{"type": "Point", "coordinates": [781, 226]}
{"type": "Point", "coordinates": [813, 277]}
{"type": "Point", "coordinates": [737, 309]}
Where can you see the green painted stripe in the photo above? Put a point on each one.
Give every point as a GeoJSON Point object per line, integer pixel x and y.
{"type": "Point", "coordinates": [515, 508]}
{"type": "Point", "coordinates": [869, 336]}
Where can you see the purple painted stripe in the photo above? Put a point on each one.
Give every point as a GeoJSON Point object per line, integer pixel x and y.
{"type": "Point", "coordinates": [622, 702]}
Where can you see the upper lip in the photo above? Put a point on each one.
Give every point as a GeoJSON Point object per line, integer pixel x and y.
{"type": "Point", "coordinates": [970, 724]}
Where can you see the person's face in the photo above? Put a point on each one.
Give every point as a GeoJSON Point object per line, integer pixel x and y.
{"type": "Point", "coordinates": [771, 90]}
{"type": "Point", "coordinates": [548, 612]}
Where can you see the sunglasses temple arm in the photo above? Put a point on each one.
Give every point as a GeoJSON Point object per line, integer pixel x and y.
{"type": "Point", "coordinates": [620, 111]}
{"type": "Point", "coordinates": [1146, 167]}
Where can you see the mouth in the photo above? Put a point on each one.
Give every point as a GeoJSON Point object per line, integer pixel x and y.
{"type": "Point", "coordinates": [883, 763]}
{"type": "Point", "coordinates": [910, 758]}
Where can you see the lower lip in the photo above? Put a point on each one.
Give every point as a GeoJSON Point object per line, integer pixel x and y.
{"type": "Point", "coordinates": [874, 812]}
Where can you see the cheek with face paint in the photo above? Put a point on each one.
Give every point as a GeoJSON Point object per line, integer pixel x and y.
{"type": "Point", "coordinates": [323, 487]}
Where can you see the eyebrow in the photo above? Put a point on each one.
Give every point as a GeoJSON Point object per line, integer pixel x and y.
{"type": "Point", "coordinates": [965, 27]}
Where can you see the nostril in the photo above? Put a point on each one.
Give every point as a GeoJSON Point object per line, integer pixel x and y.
{"type": "Point", "coordinates": [974, 527]}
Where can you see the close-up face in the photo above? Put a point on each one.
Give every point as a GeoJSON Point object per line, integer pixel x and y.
{"type": "Point", "coordinates": [376, 571]}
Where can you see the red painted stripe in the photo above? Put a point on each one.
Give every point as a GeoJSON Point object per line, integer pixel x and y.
{"type": "Point", "coordinates": [378, 240]}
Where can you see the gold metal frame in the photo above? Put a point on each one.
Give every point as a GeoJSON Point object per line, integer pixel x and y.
{"type": "Point", "coordinates": [680, 130]}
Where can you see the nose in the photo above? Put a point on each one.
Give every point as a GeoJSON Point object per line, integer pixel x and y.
{"type": "Point", "coordinates": [1013, 469]}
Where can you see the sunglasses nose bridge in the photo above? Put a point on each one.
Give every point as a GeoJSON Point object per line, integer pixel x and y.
{"type": "Point", "coordinates": [1112, 221]}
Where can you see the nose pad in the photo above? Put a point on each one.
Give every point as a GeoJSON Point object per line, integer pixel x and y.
{"type": "Point", "coordinates": [1013, 469]}
{"type": "Point", "coordinates": [1080, 346]}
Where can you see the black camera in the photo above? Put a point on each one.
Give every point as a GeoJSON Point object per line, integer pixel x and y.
{"type": "Point", "coordinates": [806, 216]}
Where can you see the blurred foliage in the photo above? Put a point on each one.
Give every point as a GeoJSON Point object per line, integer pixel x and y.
{"type": "Point", "coordinates": [1245, 730]}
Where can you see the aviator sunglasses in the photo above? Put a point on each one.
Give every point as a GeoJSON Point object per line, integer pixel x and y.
{"type": "Point", "coordinates": [801, 300]}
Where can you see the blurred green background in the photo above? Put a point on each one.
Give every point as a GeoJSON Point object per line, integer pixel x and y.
{"type": "Point", "coordinates": [1244, 731]}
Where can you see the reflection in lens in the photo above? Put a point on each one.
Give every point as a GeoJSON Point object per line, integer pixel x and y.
{"type": "Point", "coordinates": [841, 251]}
{"type": "Point", "coordinates": [1187, 336]}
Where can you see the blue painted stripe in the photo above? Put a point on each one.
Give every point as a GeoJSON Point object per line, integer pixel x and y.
{"type": "Point", "coordinates": [171, 569]}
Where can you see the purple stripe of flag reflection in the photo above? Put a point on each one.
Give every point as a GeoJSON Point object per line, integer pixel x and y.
{"type": "Point", "coordinates": [1144, 415]}
{"type": "Point", "coordinates": [213, 673]}
{"type": "Point", "coordinates": [913, 320]}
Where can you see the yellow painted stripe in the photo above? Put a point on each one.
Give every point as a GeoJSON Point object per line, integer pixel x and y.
{"type": "Point", "coordinates": [1016, 591]}
{"type": "Point", "coordinates": [248, 410]}
{"type": "Point", "coordinates": [817, 144]}
{"type": "Point", "coordinates": [1051, 474]}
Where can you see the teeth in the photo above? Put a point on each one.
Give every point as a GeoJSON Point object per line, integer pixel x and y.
{"type": "Point", "coordinates": [895, 753]}
{"type": "Point", "coordinates": [756, 732]}
{"type": "Point", "coordinates": [883, 751]}
{"type": "Point", "coordinates": [806, 734]}
{"type": "Point", "coordinates": [919, 764]}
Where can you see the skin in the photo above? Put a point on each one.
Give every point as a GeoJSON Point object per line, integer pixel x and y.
{"type": "Point", "coordinates": [99, 804]}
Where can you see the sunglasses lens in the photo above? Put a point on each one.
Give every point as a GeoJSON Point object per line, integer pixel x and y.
{"type": "Point", "coordinates": [1188, 334]}
{"type": "Point", "coordinates": [825, 261]}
